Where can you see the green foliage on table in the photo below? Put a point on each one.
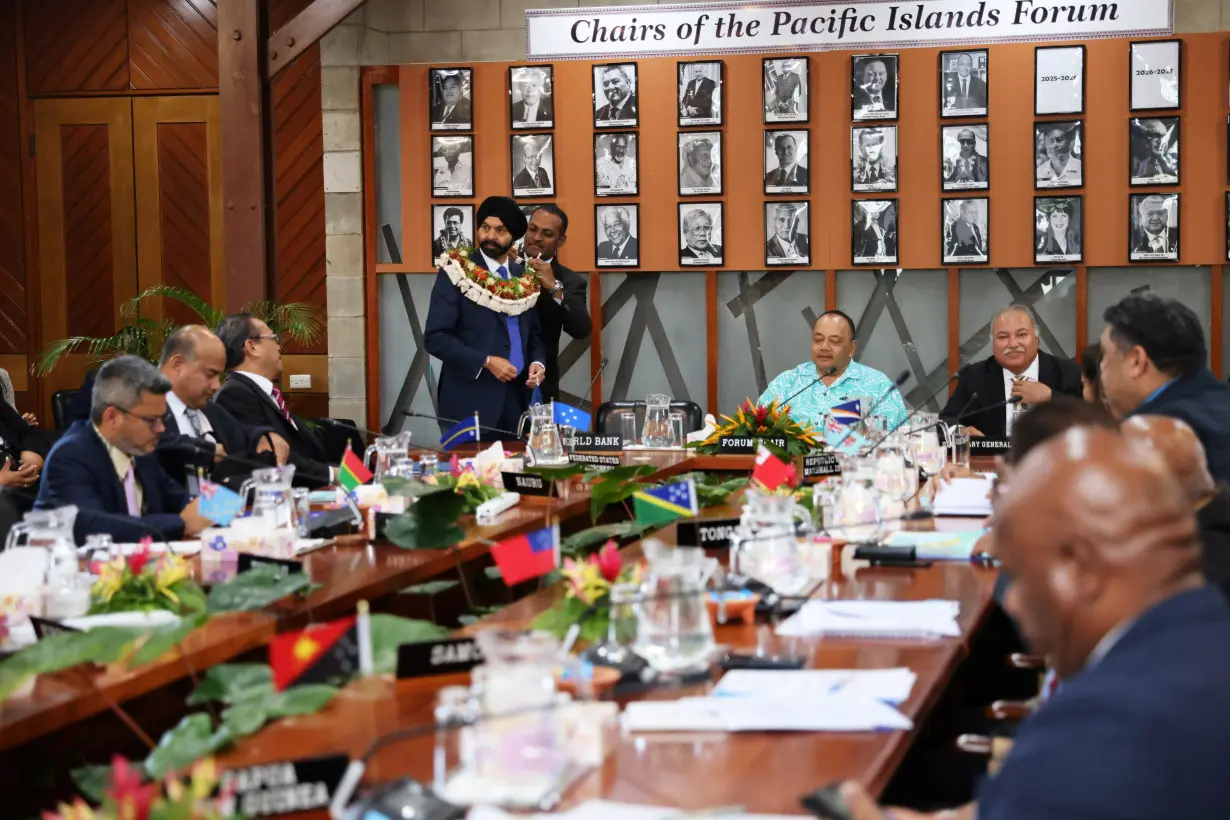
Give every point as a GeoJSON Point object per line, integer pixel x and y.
{"type": "Point", "coordinates": [249, 715]}
{"type": "Point", "coordinates": [430, 523]}
{"type": "Point", "coordinates": [711, 489]}
{"type": "Point", "coordinates": [569, 610]}
{"type": "Point", "coordinates": [614, 486]}
{"type": "Point", "coordinates": [576, 544]}
{"type": "Point", "coordinates": [164, 639]}
{"type": "Point", "coordinates": [92, 781]}
{"type": "Point", "coordinates": [231, 683]}
{"type": "Point", "coordinates": [390, 632]}
{"type": "Point", "coordinates": [188, 741]}
{"type": "Point", "coordinates": [105, 644]}
{"type": "Point", "coordinates": [470, 489]}
{"type": "Point", "coordinates": [255, 589]}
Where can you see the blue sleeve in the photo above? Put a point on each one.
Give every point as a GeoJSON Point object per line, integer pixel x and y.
{"type": "Point", "coordinates": [440, 331]}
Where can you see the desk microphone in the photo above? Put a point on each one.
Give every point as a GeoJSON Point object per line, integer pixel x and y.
{"type": "Point", "coordinates": [350, 428]}
{"type": "Point", "coordinates": [196, 448]}
{"type": "Point", "coordinates": [828, 371]}
{"type": "Point", "coordinates": [963, 416]}
{"type": "Point", "coordinates": [871, 447]}
{"type": "Point", "coordinates": [594, 380]}
{"type": "Point", "coordinates": [415, 415]}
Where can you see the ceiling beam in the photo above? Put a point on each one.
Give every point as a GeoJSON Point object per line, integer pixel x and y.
{"type": "Point", "coordinates": [306, 28]}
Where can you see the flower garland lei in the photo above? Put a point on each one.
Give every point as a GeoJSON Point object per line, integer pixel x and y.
{"type": "Point", "coordinates": [511, 297]}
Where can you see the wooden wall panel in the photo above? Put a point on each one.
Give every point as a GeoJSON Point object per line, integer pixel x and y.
{"type": "Point", "coordinates": [13, 318]}
{"type": "Point", "coordinates": [76, 45]}
{"type": "Point", "coordinates": [183, 177]}
{"type": "Point", "coordinates": [88, 266]}
{"type": "Point", "coordinates": [172, 44]}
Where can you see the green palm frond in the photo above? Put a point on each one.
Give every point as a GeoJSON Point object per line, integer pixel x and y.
{"type": "Point", "coordinates": [210, 315]}
{"type": "Point", "coordinates": [299, 321]}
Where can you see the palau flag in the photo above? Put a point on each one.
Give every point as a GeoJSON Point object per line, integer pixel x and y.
{"type": "Point", "coordinates": [659, 505]}
{"type": "Point", "coordinates": [463, 431]}
{"type": "Point", "coordinates": [847, 412]}
{"type": "Point", "coordinates": [571, 416]}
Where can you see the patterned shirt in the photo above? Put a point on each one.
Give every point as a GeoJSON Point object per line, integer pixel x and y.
{"type": "Point", "coordinates": [857, 382]}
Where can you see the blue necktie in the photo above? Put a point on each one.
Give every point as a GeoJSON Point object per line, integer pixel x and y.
{"type": "Point", "coordinates": [516, 356]}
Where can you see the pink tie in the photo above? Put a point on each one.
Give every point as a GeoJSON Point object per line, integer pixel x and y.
{"type": "Point", "coordinates": [281, 403]}
{"type": "Point", "coordinates": [130, 492]}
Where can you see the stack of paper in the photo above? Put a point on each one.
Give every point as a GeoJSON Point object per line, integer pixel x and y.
{"type": "Point", "coordinates": [964, 496]}
{"type": "Point", "coordinates": [611, 810]}
{"type": "Point", "coordinates": [937, 546]}
{"type": "Point", "coordinates": [801, 685]}
{"type": "Point", "coordinates": [875, 619]}
{"type": "Point", "coordinates": [826, 713]}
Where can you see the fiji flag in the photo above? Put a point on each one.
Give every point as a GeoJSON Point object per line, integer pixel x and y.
{"type": "Point", "coordinates": [219, 504]}
{"type": "Point", "coordinates": [527, 556]}
{"type": "Point", "coordinates": [658, 505]}
{"type": "Point", "coordinates": [847, 412]}
{"type": "Point", "coordinates": [463, 431]}
{"type": "Point", "coordinates": [571, 416]}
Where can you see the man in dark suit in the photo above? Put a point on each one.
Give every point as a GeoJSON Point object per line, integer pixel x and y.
{"type": "Point", "coordinates": [786, 242]}
{"type": "Point", "coordinates": [969, 90]}
{"type": "Point", "coordinates": [107, 468]}
{"type": "Point", "coordinates": [870, 239]}
{"type": "Point", "coordinates": [697, 102]}
{"type": "Point", "coordinates": [493, 357]}
{"type": "Point", "coordinates": [454, 108]}
{"type": "Point", "coordinates": [1102, 549]}
{"type": "Point", "coordinates": [533, 106]}
{"type": "Point", "coordinates": [561, 304]}
{"type": "Point", "coordinates": [1155, 361]}
{"type": "Point", "coordinates": [251, 395]}
{"type": "Point", "coordinates": [620, 99]}
{"type": "Point", "coordinates": [23, 448]}
{"type": "Point", "coordinates": [697, 228]}
{"type": "Point", "coordinates": [1016, 368]}
{"type": "Point", "coordinates": [788, 170]}
{"type": "Point", "coordinates": [532, 175]}
{"type": "Point", "coordinates": [963, 236]}
{"type": "Point", "coordinates": [872, 92]}
{"type": "Point", "coordinates": [619, 242]}
{"type": "Point", "coordinates": [1153, 232]}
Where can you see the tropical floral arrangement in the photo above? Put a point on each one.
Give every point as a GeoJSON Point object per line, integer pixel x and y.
{"type": "Point", "coordinates": [587, 594]}
{"type": "Point", "coordinates": [140, 583]}
{"type": "Point", "coordinates": [765, 423]}
{"type": "Point", "coordinates": [466, 483]}
{"type": "Point", "coordinates": [512, 297]}
{"type": "Point", "coordinates": [128, 797]}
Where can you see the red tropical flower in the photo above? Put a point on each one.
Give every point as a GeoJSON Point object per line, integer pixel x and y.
{"type": "Point", "coordinates": [131, 798]}
{"type": "Point", "coordinates": [138, 560]}
{"type": "Point", "coordinates": [761, 414]}
{"type": "Point", "coordinates": [608, 561]}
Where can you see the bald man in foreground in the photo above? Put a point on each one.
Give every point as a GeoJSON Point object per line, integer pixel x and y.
{"type": "Point", "coordinates": [1102, 546]}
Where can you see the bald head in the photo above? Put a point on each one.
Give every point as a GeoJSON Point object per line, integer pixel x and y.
{"type": "Point", "coordinates": [1093, 531]}
{"type": "Point", "coordinates": [194, 359]}
{"type": "Point", "coordinates": [1176, 443]}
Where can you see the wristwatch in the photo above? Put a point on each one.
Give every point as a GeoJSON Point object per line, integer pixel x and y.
{"type": "Point", "coordinates": [557, 289]}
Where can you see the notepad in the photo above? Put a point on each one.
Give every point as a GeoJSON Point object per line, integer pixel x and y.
{"type": "Point", "coordinates": [937, 546]}
{"type": "Point", "coordinates": [801, 685]}
{"type": "Point", "coordinates": [920, 620]}
{"type": "Point", "coordinates": [964, 496]}
{"type": "Point", "coordinates": [833, 713]}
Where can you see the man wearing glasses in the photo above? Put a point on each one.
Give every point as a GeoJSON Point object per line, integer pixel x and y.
{"type": "Point", "coordinates": [107, 468]}
{"type": "Point", "coordinates": [968, 165]}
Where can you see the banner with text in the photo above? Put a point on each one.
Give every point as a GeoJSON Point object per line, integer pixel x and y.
{"type": "Point", "coordinates": [733, 28]}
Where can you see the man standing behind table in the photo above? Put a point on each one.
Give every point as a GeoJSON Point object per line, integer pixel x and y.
{"type": "Point", "coordinates": [1016, 368]}
{"type": "Point", "coordinates": [492, 352]}
{"type": "Point", "coordinates": [832, 377]}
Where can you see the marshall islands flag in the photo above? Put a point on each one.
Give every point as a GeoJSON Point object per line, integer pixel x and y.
{"type": "Point", "coordinates": [846, 412]}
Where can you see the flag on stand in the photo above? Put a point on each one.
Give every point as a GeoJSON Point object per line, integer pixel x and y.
{"type": "Point", "coordinates": [353, 472]}
{"type": "Point", "coordinates": [322, 653]}
{"type": "Point", "coordinates": [463, 431]}
{"type": "Point", "coordinates": [572, 416]}
{"type": "Point", "coordinates": [660, 505]}
{"type": "Point", "coordinates": [770, 471]}
{"type": "Point", "coordinates": [219, 504]}
{"type": "Point", "coordinates": [847, 412]}
{"type": "Point", "coordinates": [527, 556]}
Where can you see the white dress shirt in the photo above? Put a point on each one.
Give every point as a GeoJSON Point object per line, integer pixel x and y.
{"type": "Point", "coordinates": [122, 462]}
{"type": "Point", "coordinates": [181, 411]}
{"type": "Point", "coordinates": [1031, 374]}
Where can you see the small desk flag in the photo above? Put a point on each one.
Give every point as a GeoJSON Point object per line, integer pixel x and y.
{"type": "Point", "coordinates": [463, 431]}
{"type": "Point", "coordinates": [527, 556]}
{"type": "Point", "coordinates": [847, 412]}
{"type": "Point", "coordinates": [770, 471]}
{"type": "Point", "coordinates": [571, 416]}
{"type": "Point", "coordinates": [322, 653]}
{"type": "Point", "coordinates": [353, 472]}
{"type": "Point", "coordinates": [659, 505]}
{"type": "Point", "coordinates": [219, 504]}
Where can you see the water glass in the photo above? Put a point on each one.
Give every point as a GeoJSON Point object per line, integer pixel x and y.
{"type": "Point", "coordinates": [959, 442]}
{"type": "Point", "coordinates": [429, 465]}
{"type": "Point", "coordinates": [627, 428]}
{"type": "Point", "coordinates": [303, 509]}
{"type": "Point", "coordinates": [678, 435]}
{"type": "Point", "coordinates": [656, 433]}
{"type": "Point", "coordinates": [929, 454]}
{"type": "Point", "coordinates": [567, 437]}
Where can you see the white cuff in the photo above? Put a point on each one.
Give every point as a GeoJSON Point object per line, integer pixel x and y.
{"type": "Point", "coordinates": [540, 364]}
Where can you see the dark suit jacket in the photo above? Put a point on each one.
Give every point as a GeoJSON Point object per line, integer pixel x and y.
{"type": "Point", "coordinates": [888, 97]}
{"type": "Point", "coordinates": [79, 471]}
{"type": "Point", "coordinates": [571, 316]}
{"type": "Point", "coordinates": [698, 96]}
{"type": "Point", "coordinates": [685, 252]}
{"type": "Point", "coordinates": [864, 243]}
{"type": "Point", "coordinates": [628, 111]}
{"type": "Point", "coordinates": [462, 334]}
{"type": "Point", "coordinates": [778, 176]}
{"type": "Point", "coordinates": [773, 248]}
{"type": "Point", "coordinates": [543, 114]}
{"type": "Point", "coordinates": [524, 180]}
{"type": "Point", "coordinates": [982, 170]}
{"type": "Point", "coordinates": [977, 97]}
{"type": "Point", "coordinates": [459, 114]}
{"type": "Point", "coordinates": [1202, 401]}
{"type": "Point", "coordinates": [965, 239]}
{"type": "Point", "coordinates": [243, 399]}
{"type": "Point", "coordinates": [1132, 737]}
{"type": "Point", "coordinates": [1140, 242]}
{"type": "Point", "coordinates": [1214, 522]}
{"type": "Point", "coordinates": [19, 436]}
{"type": "Point", "coordinates": [607, 251]}
{"type": "Point", "coordinates": [239, 440]}
{"type": "Point", "coordinates": [986, 378]}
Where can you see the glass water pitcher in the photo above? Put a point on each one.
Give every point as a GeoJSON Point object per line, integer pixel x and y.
{"type": "Point", "coordinates": [272, 496]}
{"type": "Point", "coordinates": [765, 546]}
{"type": "Point", "coordinates": [656, 432]}
{"type": "Point", "coordinates": [673, 632]}
{"type": "Point", "coordinates": [385, 450]}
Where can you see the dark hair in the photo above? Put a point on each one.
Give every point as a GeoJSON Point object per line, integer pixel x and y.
{"type": "Point", "coordinates": [1091, 359]}
{"type": "Point", "coordinates": [451, 211]}
{"type": "Point", "coordinates": [235, 331]}
{"type": "Point", "coordinates": [555, 210]}
{"type": "Point", "coordinates": [1042, 422]}
{"type": "Point", "coordinates": [843, 315]}
{"type": "Point", "coordinates": [1167, 329]}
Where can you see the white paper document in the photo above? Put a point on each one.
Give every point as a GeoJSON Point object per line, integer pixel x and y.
{"type": "Point", "coordinates": [964, 496]}
{"type": "Point", "coordinates": [875, 619]}
{"type": "Point", "coordinates": [937, 546]}
{"type": "Point", "coordinates": [832, 713]}
{"type": "Point", "coordinates": [804, 685]}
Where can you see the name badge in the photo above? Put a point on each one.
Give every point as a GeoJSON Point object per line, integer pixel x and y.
{"type": "Point", "coordinates": [283, 787]}
{"type": "Point", "coordinates": [247, 561]}
{"type": "Point", "coordinates": [710, 533]}
{"type": "Point", "coordinates": [44, 628]}
{"type": "Point", "coordinates": [988, 446]}
{"type": "Point", "coordinates": [527, 484]}
{"type": "Point", "coordinates": [601, 463]}
{"type": "Point", "coordinates": [735, 445]}
{"type": "Point", "coordinates": [598, 443]}
{"type": "Point", "coordinates": [418, 660]}
{"type": "Point", "coordinates": [820, 466]}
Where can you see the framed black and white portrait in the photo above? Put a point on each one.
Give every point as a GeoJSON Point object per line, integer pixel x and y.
{"type": "Point", "coordinates": [452, 166]}
{"type": "Point", "coordinates": [531, 94]}
{"type": "Point", "coordinates": [1154, 223]}
{"type": "Point", "coordinates": [1057, 154]}
{"type": "Point", "coordinates": [963, 83]}
{"type": "Point", "coordinates": [533, 164]}
{"type": "Point", "coordinates": [785, 162]}
{"type": "Point", "coordinates": [965, 157]}
{"type": "Point", "coordinates": [452, 91]}
{"type": "Point", "coordinates": [1227, 223]}
{"type": "Point", "coordinates": [787, 230]}
{"type": "Point", "coordinates": [700, 162]}
{"type": "Point", "coordinates": [966, 236]}
{"type": "Point", "coordinates": [528, 209]}
{"type": "Point", "coordinates": [1059, 80]}
{"type": "Point", "coordinates": [700, 93]}
{"type": "Point", "coordinates": [1155, 75]}
{"type": "Point", "coordinates": [1058, 229]}
{"type": "Point", "coordinates": [873, 87]}
{"type": "Point", "coordinates": [873, 158]}
{"type": "Point", "coordinates": [786, 89]}
{"type": "Point", "coordinates": [452, 227]}
{"type": "Point", "coordinates": [616, 229]}
{"type": "Point", "coordinates": [615, 103]}
{"type": "Point", "coordinates": [1154, 151]}
{"type": "Point", "coordinates": [615, 163]}
{"type": "Point", "coordinates": [873, 233]}
{"type": "Point", "coordinates": [700, 234]}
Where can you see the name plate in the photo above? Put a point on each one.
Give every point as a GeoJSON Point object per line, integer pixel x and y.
{"type": "Point", "coordinates": [599, 464]}
{"type": "Point", "coordinates": [247, 561]}
{"type": "Point", "coordinates": [988, 446]}
{"type": "Point", "coordinates": [447, 657]}
{"type": "Point", "coordinates": [284, 787]}
{"type": "Point", "coordinates": [527, 484]}
{"type": "Point", "coordinates": [821, 465]}
{"type": "Point", "coordinates": [736, 445]}
{"type": "Point", "coordinates": [710, 533]}
{"type": "Point", "coordinates": [598, 443]}
{"type": "Point", "coordinates": [45, 628]}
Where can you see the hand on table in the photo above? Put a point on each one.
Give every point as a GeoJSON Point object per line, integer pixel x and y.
{"type": "Point", "coordinates": [537, 373]}
{"type": "Point", "coordinates": [1031, 392]}
{"type": "Point", "coordinates": [194, 522]}
{"type": "Point", "coordinates": [15, 476]}
{"type": "Point", "coordinates": [502, 369]}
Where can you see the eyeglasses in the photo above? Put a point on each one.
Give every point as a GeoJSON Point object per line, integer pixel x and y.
{"type": "Point", "coordinates": [966, 142]}
{"type": "Point", "coordinates": [154, 422]}
{"type": "Point", "coordinates": [277, 339]}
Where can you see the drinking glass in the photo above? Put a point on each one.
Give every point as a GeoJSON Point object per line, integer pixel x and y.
{"type": "Point", "coordinates": [627, 428]}
{"type": "Point", "coordinates": [567, 437]}
{"type": "Point", "coordinates": [677, 435]}
{"type": "Point", "coordinates": [959, 442]}
{"type": "Point", "coordinates": [429, 465]}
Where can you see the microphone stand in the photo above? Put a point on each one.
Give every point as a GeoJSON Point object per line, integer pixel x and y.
{"type": "Point", "coordinates": [871, 447]}
{"type": "Point", "coordinates": [416, 415]}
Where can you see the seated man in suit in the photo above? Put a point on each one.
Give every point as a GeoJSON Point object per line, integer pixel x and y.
{"type": "Point", "coordinates": [1155, 361]}
{"type": "Point", "coordinates": [107, 468]}
{"type": "Point", "coordinates": [1103, 550]}
{"type": "Point", "coordinates": [23, 448]}
{"type": "Point", "coordinates": [193, 360]}
{"type": "Point", "coordinates": [1016, 368]}
{"type": "Point", "coordinates": [251, 395]}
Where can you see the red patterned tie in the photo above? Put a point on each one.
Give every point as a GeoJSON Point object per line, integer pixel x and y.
{"type": "Point", "coordinates": [281, 403]}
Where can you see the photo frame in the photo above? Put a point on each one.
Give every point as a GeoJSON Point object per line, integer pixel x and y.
{"type": "Point", "coordinates": [452, 165]}
{"type": "Point", "coordinates": [965, 157]}
{"type": "Point", "coordinates": [1058, 154]}
{"type": "Point", "coordinates": [615, 96]}
{"type": "Point", "coordinates": [873, 158]}
{"type": "Point", "coordinates": [1153, 227]}
{"type": "Point", "coordinates": [1154, 69]}
{"type": "Point", "coordinates": [1059, 80]}
{"type": "Point", "coordinates": [699, 156]}
{"type": "Point", "coordinates": [963, 83]}
{"type": "Point", "coordinates": [873, 87]}
{"type": "Point", "coordinates": [785, 162]}
{"type": "Point", "coordinates": [1153, 151]}
{"type": "Point", "coordinates": [452, 227]}
{"type": "Point", "coordinates": [786, 89]}
{"type": "Point", "coordinates": [700, 234]}
{"type": "Point", "coordinates": [700, 86]}
{"type": "Point", "coordinates": [450, 99]}
{"type": "Point", "coordinates": [873, 232]}
{"type": "Point", "coordinates": [617, 226]}
{"type": "Point", "coordinates": [787, 232]}
{"type": "Point", "coordinates": [1227, 224]}
{"type": "Point", "coordinates": [1059, 229]}
{"type": "Point", "coordinates": [615, 166]}
{"type": "Point", "coordinates": [965, 230]}
{"type": "Point", "coordinates": [533, 164]}
{"type": "Point", "coordinates": [531, 96]}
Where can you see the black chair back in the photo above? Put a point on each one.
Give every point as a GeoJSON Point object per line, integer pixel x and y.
{"type": "Point", "coordinates": [61, 404]}
{"type": "Point", "coordinates": [606, 420]}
